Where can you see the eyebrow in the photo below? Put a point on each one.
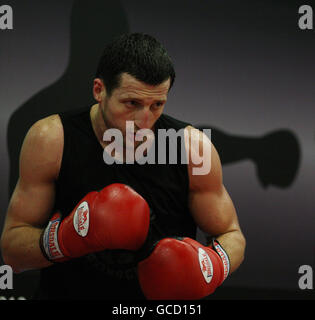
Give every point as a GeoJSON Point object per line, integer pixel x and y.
{"type": "Point", "coordinates": [138, 99]}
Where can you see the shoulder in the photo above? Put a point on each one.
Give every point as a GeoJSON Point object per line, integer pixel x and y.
{"type": "Point", "coordinates": [204, 164]}
{"type": "Point", "coordinates": [43, 146]}
{"type": "Point", "coordinates": [48, 126]}
{"type": "Point", "coordinates": [45, 135]}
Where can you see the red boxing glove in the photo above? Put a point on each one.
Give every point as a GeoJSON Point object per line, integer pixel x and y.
{"type": "Point", "coordinates": [182, 270]}
{"type": "Point", "coordinates": [117, 217]}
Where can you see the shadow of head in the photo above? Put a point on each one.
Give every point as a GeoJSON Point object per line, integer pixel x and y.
{"type": "Point", "coordinates": [94, 24]}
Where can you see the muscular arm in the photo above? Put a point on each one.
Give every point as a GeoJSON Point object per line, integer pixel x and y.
{"type": "Point", "coordinates": [33, 198]}
{"type": "Point", "coordinates": [210, 203]}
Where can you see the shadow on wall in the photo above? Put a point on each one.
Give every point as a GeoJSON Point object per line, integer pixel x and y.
{"type": "Point", "coordinates": [93, 24]}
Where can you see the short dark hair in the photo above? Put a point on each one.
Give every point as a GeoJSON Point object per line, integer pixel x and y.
{"type": "Point", "coordinates": [139, 55]}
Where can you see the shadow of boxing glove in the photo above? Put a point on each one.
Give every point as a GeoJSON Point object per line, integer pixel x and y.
{"type": "Point", "coordinates": [182, 269]}
{"type": "Point", "coordinates": [116, 217]}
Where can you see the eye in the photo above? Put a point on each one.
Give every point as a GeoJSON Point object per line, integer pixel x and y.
{"type": "Point", "coordinates": [131, 103]}
{"type": "Point", "coordinates": [158, 104]}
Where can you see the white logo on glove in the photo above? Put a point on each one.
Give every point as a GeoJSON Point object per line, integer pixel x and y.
{"type": "Point", "coordinates": [205, 265]}
{"type": "Point", "coordinates": [81, 219]}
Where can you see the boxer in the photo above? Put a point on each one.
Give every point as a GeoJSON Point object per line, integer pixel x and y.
{"type": "Point", "coordinates": [80, 221]}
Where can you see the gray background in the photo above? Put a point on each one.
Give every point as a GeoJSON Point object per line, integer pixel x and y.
{"type": "Point", "coordinates": [242, 66]}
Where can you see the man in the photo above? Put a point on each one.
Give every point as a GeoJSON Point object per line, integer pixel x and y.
{"type": "Point", "coordinates": [99, 230]}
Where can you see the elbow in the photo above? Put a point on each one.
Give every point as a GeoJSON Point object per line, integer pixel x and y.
{"type": "Point", "coordinates": [9, 261]}
{"type": "Point", "coordinates": [7, 256]}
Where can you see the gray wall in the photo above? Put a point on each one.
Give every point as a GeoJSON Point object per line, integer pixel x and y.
{"type": "Point", "coordinates": [243, 67]}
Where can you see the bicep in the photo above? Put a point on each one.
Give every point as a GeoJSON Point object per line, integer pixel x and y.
{"type": "Point", "coordinates": [33, 197]}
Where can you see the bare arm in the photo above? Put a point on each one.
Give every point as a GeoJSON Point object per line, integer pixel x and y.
{"type": "Point", "coordinates": [210, 203]}
{"type": "Point", "coordinates": [33, 198]}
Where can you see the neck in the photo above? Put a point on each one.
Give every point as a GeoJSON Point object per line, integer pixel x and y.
{"type": "Point", "coordinates": [98, 123]}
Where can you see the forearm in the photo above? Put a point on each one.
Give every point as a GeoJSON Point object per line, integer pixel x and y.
{"type": "Point", "coordinates": [233, 243]}
{"type": "Point", "coordinates": [21, 250]}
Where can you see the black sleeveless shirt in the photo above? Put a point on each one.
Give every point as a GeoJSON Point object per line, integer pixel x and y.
{"type": "Point", "coordinates": [111, 274]}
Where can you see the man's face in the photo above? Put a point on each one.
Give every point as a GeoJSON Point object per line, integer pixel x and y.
{"type": "Point", "coordinates": [134, 101]}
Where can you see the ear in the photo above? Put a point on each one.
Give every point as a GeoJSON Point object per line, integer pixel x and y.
{"type": "Point", "coordinates": [99, 91]}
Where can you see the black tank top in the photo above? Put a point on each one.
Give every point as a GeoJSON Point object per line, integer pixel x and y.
{"type": "Point", "coordinates": [111, 274]}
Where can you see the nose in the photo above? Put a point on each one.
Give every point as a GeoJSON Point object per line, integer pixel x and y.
{"type": "Point", "coordinates": [143, 118]}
